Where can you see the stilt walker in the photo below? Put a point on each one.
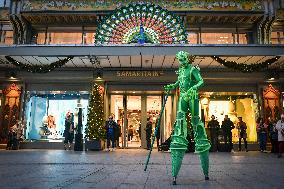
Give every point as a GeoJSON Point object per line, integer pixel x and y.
{"type": "Point", "coordinates": [189, 81]}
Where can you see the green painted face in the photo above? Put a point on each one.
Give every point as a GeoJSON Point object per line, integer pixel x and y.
{"type": "Point", "coordinates": [182, 57]}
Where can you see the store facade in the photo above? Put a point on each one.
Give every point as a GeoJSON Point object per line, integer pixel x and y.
{"type": "Point", "coordinates": [132, 96]}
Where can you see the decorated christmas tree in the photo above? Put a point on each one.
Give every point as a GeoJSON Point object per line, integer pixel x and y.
{"type": "Point", "coordinates": [95, 122]}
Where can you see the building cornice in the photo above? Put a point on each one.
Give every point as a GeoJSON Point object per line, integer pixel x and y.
{"type": "Point", "coordinates": [104, 50]}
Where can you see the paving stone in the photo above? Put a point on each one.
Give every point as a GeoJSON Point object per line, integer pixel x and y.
{"type": "Point", "coordinates": [121, 169]}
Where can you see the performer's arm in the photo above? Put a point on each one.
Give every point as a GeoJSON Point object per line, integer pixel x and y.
{"type": "Point", "coordinates": [198, 78]}
{"type": "Point", "coordinates": [172, 86]}
{"type": "Point", "coordinates": [199, 82]}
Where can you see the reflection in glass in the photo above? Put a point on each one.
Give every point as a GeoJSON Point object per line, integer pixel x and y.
{"type": "Point", "coordinates": [134, 121]}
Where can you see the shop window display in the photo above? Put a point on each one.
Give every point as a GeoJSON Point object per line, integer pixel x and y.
{"type": "Point", "coordinates": [46, 112]}
{"type": "Point", "coordinates": [234, 105]}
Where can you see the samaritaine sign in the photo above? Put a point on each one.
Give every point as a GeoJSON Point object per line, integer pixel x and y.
{"type": "Point", "coordinates": [139, 73]}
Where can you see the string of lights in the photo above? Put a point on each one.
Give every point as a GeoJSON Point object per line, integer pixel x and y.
{"type": "Point", "coordinates": [246, 68]}
{"type": "Point", "coordinates": [39, 68]}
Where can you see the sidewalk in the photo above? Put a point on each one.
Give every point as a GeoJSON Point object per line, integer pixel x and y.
{"type": "Point", "coordinates": [123, 168]}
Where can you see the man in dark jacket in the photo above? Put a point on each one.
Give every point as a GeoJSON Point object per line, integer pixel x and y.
{"type": "Point", "coordinates": [213, 126]}
{"type": "Point", "coordinates": [148, 133]}
{"type": "Point", "coordinates": [117, 133]}
{"type": "Point", "coordinates": [110, 128]}
{"type": "Point", "coordinates": [242, 127]}
{"type": "Point", "coordinates": [227, 126]}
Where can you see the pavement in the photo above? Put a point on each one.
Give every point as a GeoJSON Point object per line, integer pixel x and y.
{"type": "Point", "coordinates": [124, 168]}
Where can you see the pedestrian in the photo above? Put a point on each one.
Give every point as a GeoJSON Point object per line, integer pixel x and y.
{"type": "Point", "coordinates": [117, 133]}
{"type": "Point", "coordinates": [213, 126]}
{"type": "Point", "coordinates": [280, 128]}
{"type": "Point", "coordinates": [139, 131]}
{"type": "Point", "coordinates": [148, 133]}
{"type": "Point", "coordinates": [273, 135]}
{"type": "Point", "coordinates": [69, 130]}
{"type": "Point", "coordinates": [130, 133]}
{"type": "Point", "coordinates": [158, 136]}
{"type": "Point", "coordinates": [12, 143]}
{"type": "Point", "coordinates": [261, 129]}
{"type": "Point", "coordinates": [242, 127]}
{"type": "Point", "coordinates": [110, 128]}
{"type": "Point", "coordinates": [227, 126]}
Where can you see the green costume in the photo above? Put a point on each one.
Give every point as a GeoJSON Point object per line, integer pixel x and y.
{"type": "Point", "coordinates": [189, 81]}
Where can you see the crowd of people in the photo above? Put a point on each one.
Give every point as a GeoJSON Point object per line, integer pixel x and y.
{"type": "Point", "coordinates": [269, 130]}
{"type": "Point", "coordinates": [226, 129]}
{"type": "Point", "coordinates": [272, 130]}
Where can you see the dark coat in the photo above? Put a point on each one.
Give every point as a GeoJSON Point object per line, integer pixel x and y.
{"type": "Point", "coordinates": [242, 129]}
{"type": "Point", "coordinates": [213, 125]}
{"type": "Point", "coordinates": [69, 126]}
{"type": "Point", "coordinates": [148, 129]}
{"type": "Point", "coordinates": [117, 132]}
{"type": "Point", "coordinates": [227, 126]}
{"type": "Point", "coordinates": [111, 126]}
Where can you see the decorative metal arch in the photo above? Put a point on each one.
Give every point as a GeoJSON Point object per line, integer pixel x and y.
{"type": "Point", "coordinates": [123, 26]}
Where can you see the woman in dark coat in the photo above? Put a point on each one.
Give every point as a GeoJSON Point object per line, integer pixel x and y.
{"type": "Point", "coordinates": [117, 133]}
{"type": "Point", "coordinates": [68, 131]}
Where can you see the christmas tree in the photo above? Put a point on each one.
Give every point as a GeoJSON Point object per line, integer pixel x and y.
{"type": "Point", "coordinates": [95, 122]}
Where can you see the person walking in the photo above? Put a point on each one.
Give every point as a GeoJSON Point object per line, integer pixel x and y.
{"type": "Point", "coordinates": [213, 126]}
{"type": "Point", "coordinates": [280, 128]}
{"type": "Point", "coordinates": [148, 133]}
{"type": "Point", "coordinates": [130, 133]}
{"type": "Point", "coordinates": [273, 135]}
{"type": "Point", "coordinates": [242, 127]}
{"type": "Point", "coordinates": [110, 128]}
{"type": "Point", "coordinates": [261, 128]}
{"type": "Point", "coordinates": [68, 131]}
{"type": "Point", "coordinates": [117, 133]}
{"type": "Point", "coordinates": [227, 126]}
{"type": "Point", "coordinates": [158, 136]}
{"type": "Point", "coordinates": [12, 143]}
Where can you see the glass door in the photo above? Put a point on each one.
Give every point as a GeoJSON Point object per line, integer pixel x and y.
{"type": "Point", "coordinates": [153, 112]}
{"type": "Point", "coordinates": [133, 121]}
{"type": "Point", "coordinates": [117, 110]}
{"type": "Point", "coordinates": [131, 112]}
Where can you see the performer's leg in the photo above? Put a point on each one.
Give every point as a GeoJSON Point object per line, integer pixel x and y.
{"type": "Point", "coordinates": [202, 144]}
{"type": "Point", "coordinates": [179, 142]}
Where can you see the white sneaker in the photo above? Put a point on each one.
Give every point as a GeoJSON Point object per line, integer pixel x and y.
{"type": "Point", "coordinates": [232, 151]}
{"type": "Point", "coordinates": [112, 149]}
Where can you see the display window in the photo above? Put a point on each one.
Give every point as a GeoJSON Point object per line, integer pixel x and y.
{"type": "Point", "coordinates": [46, 112]}
{"type": "Point", "coordinates": [238, 104]}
